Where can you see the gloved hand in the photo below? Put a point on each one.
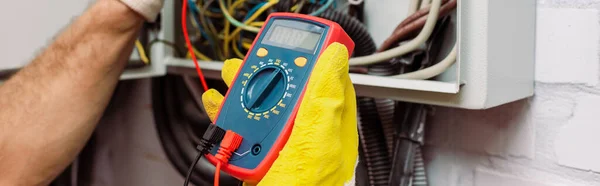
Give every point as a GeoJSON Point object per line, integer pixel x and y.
{"type": "Point", "coordinates": [323, 146]}
{"type": "Point", "coordinates": [147, 8]}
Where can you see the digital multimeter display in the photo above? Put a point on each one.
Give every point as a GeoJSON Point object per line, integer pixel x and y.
{"type": "Point", "coordinates": [293, 37]}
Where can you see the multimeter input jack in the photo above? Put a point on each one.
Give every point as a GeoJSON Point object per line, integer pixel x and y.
{"type": "Point", "coordinates": [256, 149]}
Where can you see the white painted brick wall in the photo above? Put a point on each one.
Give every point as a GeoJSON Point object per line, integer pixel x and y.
{"type": "Point", "coordinates": [492, 178]}
{"type": "Point", "coordinates": [550, 139]}
{"type": "Point", "coordinates": [565, 48]}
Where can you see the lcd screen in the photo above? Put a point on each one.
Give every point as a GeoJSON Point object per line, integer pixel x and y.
{"type": "Point", "coordinates": [294, 38]}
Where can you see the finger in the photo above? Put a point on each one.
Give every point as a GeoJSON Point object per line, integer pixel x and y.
{"type": "Point", "coordinates": [349, 132]}
{"type": "Point", "coordinates": [212, 100]}
{"type": "Point", "coordinates": [230, 69]}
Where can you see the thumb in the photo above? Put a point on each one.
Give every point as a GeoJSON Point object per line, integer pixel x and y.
{"type": "Point", "coordinates": [212, 100]}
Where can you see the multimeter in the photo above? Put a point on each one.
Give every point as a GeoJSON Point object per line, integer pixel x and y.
{"type": "Point", "coordinates": [262, 102]}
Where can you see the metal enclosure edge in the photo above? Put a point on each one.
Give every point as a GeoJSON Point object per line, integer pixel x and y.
{"type": "Point", "coordinates": [511, 51]}
{"type": "Point", "coordinates": [484, 72]}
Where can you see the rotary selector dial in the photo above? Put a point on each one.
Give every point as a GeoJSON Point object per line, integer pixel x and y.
{"type": "Point", "coordinates": [265, 89]}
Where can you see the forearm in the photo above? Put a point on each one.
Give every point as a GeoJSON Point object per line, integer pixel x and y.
{"type": "Point", "coordinates": [49, 109]}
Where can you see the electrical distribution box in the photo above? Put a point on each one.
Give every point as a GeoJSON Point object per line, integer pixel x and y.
{"type": "Point", "coordinates": [495, 63]}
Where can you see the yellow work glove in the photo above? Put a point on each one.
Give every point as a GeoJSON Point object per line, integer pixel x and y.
{"type": "Point", "coordinates": [323, 146]}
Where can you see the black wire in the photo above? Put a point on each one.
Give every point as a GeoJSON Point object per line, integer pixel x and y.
{"type": "Point", "coordinates": [364, 43]}
{"type": "Point", "coordinates": [189, 173]}
{"type": "Point", "coordinates": [174, 109]}
{"type": "Point", "coordinates": [284, 5]}
{"type": "Point", "coordinates": [180, 53]}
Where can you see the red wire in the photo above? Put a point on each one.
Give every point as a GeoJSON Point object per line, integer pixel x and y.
{"type": "Point", "coordinates": [217, 171]}
{"type": "Point", "coordinates": [231, 142]}
{"type": "Point", "coordinates": [189, 44]}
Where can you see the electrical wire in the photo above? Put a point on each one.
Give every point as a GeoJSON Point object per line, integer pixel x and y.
{"type": "Point", "coordinates": [208, 22]}
{"type": "Point", "coordinates": [345, 7]}
{"type": "Point", "coordinates": [409, 46]}
{"type": "Point", "coordinates": [236, 49]}
{"type": "Point", "coordinates": [212, 136]}
{"type": "Point", "coordinates": [295, 7]}
{"type": "Point", "coordinates": [254, 16]}
{"type": "Point", "coordinates": [257, 23]}
{"type": "Point", "coordinates": [420, 13]}
{"type": "Point", "coordinates": [230, 143]}
{"type": "Point", "coordinates": [168, 43]}
{"type": "Point", "coordinates": [299, 6]}
{"type": "Point", "coordinates": [251, 19]}
{"type": "Point", "coordinates": [323, 8]}
{"type": "Point", "coordinates": [246, 45]}
{"type": "Point", "coordinates": [425, 3]}
{"type": "Point", "coordinates": [179, 52]}
{"type": "Point", "coordinates": [434, 70]}
{"type": "Point", "coordinates": [236, 22]}
{"type": "Point", "coordinates": [217, 175]}
{"type": "Point", "coordinates": [413, 6]}
{"type": "Point", "coordinates": [217, 12]}
{"type": "Point", "coordinates": [227, 26]}
{"type": "Point", "coordinates": [254, 10]}
{"type": "Point", "coordinates": [190, 46]}
{"type": "Point", "coordinates": [206, 27]}
{"type": "Point", "coordinates": [176, 111]}
{"type": "Point", "coordinates": [413, 23]}
{"type": "Point", "coordinates": [354, 28]}
{"type": "Point", "coordinates": [142, 52]}
{"type": "Point", "coordinates": [196, 23]}
{"type": "Point", "coordinates": [191, 170]}
{"type": "Point", "coordinates": [200, 55]}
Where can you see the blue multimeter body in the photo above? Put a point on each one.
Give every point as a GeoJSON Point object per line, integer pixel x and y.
{"type": "Point", "coordinates": [263, 100]}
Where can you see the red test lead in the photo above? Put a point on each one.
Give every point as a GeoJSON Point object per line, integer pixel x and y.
{"type": "Point", "coordinates": [230, 143]}
{"type": "Point", "coordinates": [189, 44]}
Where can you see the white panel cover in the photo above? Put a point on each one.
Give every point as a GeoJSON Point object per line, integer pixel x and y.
{"type": "Point", "coordinates": [27, 26]}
